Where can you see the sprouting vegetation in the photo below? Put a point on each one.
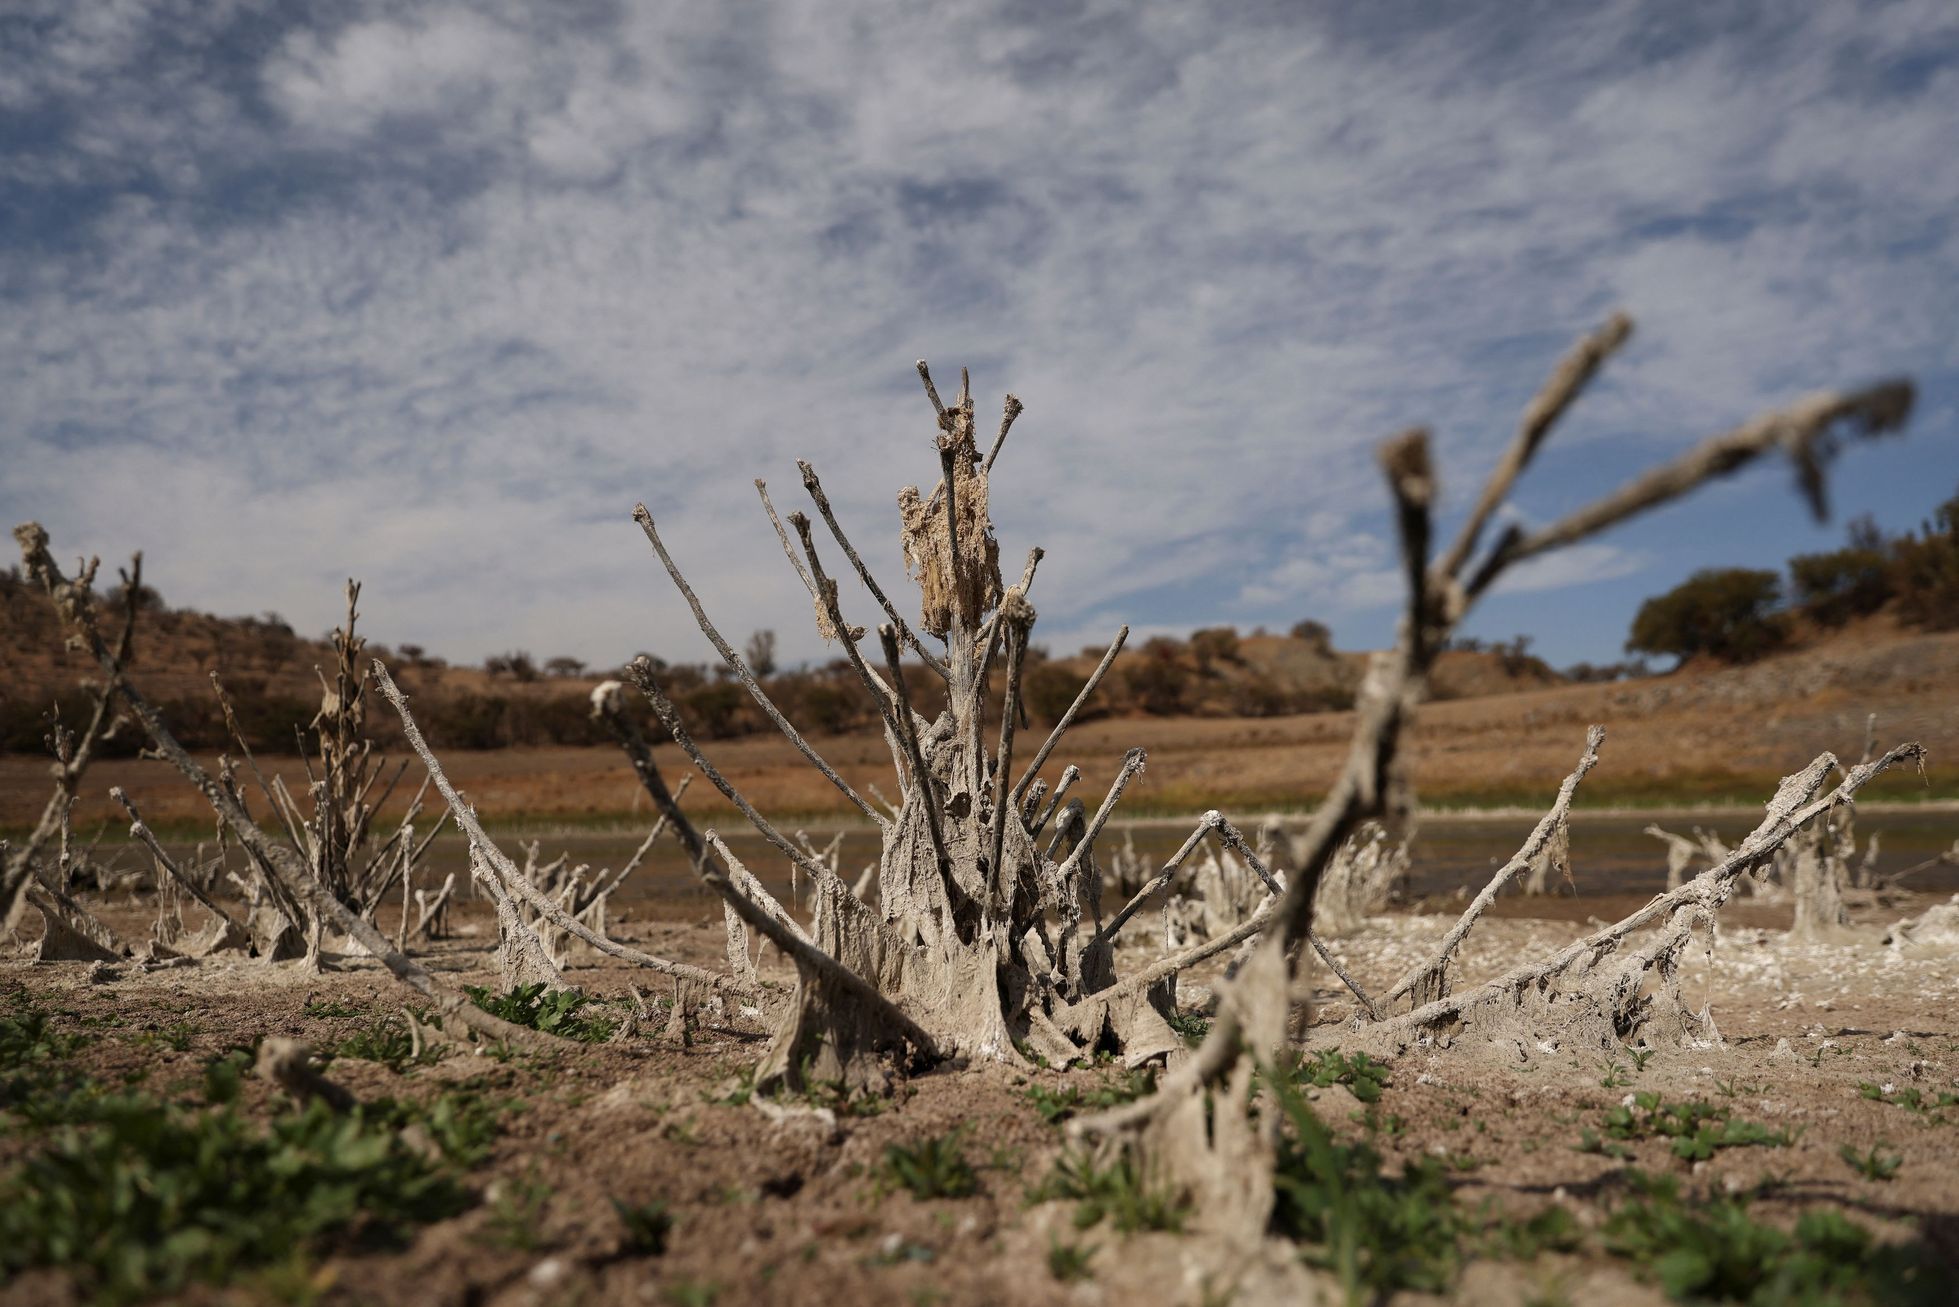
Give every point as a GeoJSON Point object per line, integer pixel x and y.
{"type": "Point", "coordinates": [1709, 1248]}
{"type": "Point", "coordinates": [648, 1225]}
{"type": "Point", "coordinates": [1111, 1190]}
{"type": "Point", "coordinates": [1695, 1129]}
{"type": "Point", "coordinates": [1362, 1075]}
{"type": "Point", "coordinates": [553, 1012]}
{"type": "Point", "coordinates": [1057, 1104]}
{"type": "Point", "coordinates": [389, 1042]}
{"type": "Point", "coordinates": [932, 1168]}
{"type": "Point", "coordinates": [137, 1196]}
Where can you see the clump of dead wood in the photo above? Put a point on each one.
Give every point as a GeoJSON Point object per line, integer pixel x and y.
{"type": "Point", "coordinates": [1201, 1132]}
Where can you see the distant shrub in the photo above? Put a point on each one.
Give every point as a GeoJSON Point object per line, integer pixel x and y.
{"type": "Point", "coordinates": [1727, 613]}
{"type": "Point", "coordinates": [1925, 571]}
{"type": "Point", "coordinates": [517, 665]}
{"type": "Point", "coordinates": [1257, 696]}
{"type": "Point", "coordinates": [1831, 588]}
{"type": "Point", "coordinates": [1048, 689]}
{"type": "Point", "coordinates": [1157, 680]}
{"type": "Point", "coordinates": [1214, 644]}
{"type": "Point", "coordinates": [1516, 659]}
{"type": "Point", "coordinates": [759, 653]}
{"type": "Point", "coordinates": [1317, 634]}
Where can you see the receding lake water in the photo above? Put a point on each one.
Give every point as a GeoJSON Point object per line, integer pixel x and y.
{"type": "Point", "coordinates": [1610, 852]}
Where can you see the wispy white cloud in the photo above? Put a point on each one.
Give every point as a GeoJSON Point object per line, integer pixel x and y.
{"type": "Point", "coordinates": [433, 293]}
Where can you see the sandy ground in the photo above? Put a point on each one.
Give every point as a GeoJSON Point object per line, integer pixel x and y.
{"type": "Point", "coordinates": [792, 1210]}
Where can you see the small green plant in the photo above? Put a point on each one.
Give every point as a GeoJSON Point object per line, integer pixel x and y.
{"type": "Point", "coordinates": [1554, 1229]}
{"type": "Point", "coordinates": [176, 1037]}
{"type": "Point", "coordinates": [462, 1123]}
{"type": "Point", "coordinates": [517, 1213]}
{"type": "Point", "coordinates": [1709, 1249]}
{"type": "Point", "coordinates": [138, 1198]}
{"type": "Point", "coordinates": [1190, 1026]}
{"type": "Point", "coordinates": [1640, 1057]}
{"type": "Point", "coordinates": [33, 1057]}
{"type": "Point", "coordinates": [1912, 1099]}
{"type": "Point", "coordinates": [692, 1293]}
{"type": "Point", "coordinates": [1614, 1077]}
{"type": "Point", "coordinates": [1057, 1105]}
{"type": "Point", "coordinates": [1873, 1165]}
{"type": "Point", "coordinates": [1114, 1191]}
{"type": "Point", "coordinates": [388, 1042]}
{"type": "Point", "coordinates": [831, 1095]}
{"type": "Point", "coordinates": [647, 1226]}
{"type": "Point", "coordinates": [321, 1009]}
{"type": "Point", "coordinates": [935, 1168]}
{"type": "Point", "coordinates": [1697, 1129]}
{"type": "Point", "coordinates": [1589, 1142]}
{"type": "Point", "coordinates": [1377, 1233]}
{"type": "Point", "coordinates": [225, 1074]}
{"type": "Point", "coordinates": [1361, 1074]}
{"type": "Point", "coordinates": [556, 1012]}
{"type": "Point", "coordinates": [1069, 1262]}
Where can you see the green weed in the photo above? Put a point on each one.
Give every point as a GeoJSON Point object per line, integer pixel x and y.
{"type": "Point", "coordinates": [1711, 1250]}
{"type": "Point", "coordinates": [935, 1168]}
{"type": "Point", "coordinates": [142, 1198]}
{"type": "Point", "coordinates": [555, 1013]}
{"type": "Point", "coordinates": [1115, 1192]}
{"type": "Point", "coordinates": [388, 1042]}
{"type": "Point", "coordinates": [1912, 1099]}
{"type": "Point", "coordinates": [1057, 1105]}
{"type": "Point", "coordinates": [1873, 1165]}
{"type": "Point", "coordinates": [176, 1037]}
{"type": "Point", "coordinates": [1377, 1233]}
{"type": "Point", "coordinates": [1069, 1262]}
{"type": "Point", "coordinates": [1361, 1074]}
{"type": "Point", "coordinates": [1697, 1129]}
{"type": "Point", "coordinates": [647, 1226]}
{"type": "Point", "coordinates": [1191, 1026]}
{"type": "Point", "coordinates": [517, 1213]}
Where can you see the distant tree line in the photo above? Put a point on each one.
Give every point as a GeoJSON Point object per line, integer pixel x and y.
{"type": "Point", "coordinates": [1737, 614]}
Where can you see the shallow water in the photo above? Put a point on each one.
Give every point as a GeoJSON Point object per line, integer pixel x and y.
{"type": "Point", "coordinates": [1610, 853]}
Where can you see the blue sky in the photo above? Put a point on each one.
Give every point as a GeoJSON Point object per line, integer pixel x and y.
{"type": "Point", "coordinates": [432, 293]}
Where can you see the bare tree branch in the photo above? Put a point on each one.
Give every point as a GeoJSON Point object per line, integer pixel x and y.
{"type": "Point", "coordinates": [1573, 373]}
{"type": "Point", "coordinates": [1805, 430]}
{"type": "Point", "coordinates": [1068, 718]}
{"type": "Point", "coordinates": [744, 675]}
{"type": "Point", "coordinates": [1434, 969]}
{"type": "Point", "coordinates": [507, 874]}
{"type": "Point", "coordinates": [1012, 410]}
{"type": "Point", "coordinates": [822, 501]}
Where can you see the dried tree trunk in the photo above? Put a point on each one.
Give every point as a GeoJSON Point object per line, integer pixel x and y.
{"type": "Point", "coordinates": [1179, 1130]}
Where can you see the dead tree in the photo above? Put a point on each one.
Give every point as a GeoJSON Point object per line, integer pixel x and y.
{"type": "Point", "coordinates": [1358, 879]}
{"type": "Point", "coordinates": [1200, 1132]}
{"type": "Point", "coordinates": [333, 831]}
{"type": "Point", "coordinates": [70, 932]}
{"type": "Point", "coordinates": [985, 938]}
{"type": "Point", "coordinates": [1681, 853]}
{"type": "Point", "coordinates": [287, 875]}
{"type": "Point", "coordinates": [1819, 866]}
